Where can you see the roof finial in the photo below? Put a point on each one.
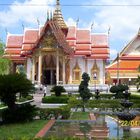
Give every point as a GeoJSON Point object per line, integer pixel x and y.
{"type": "Point", "coordinates": [57, 2]}
{"type": "Point", "coordinates": [57, 15]}
{"type": "Point", "coordinates": [48, 15]}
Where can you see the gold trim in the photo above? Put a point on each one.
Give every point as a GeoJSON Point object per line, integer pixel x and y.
{"type": "Point", "coordinates": [76, 73]}
{"type": "Point", "coordinates": [95, 70]}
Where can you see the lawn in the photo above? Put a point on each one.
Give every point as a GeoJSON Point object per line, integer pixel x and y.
{"type": "Point", "coordinates": [24, 130]}
{"type": "Point", "coordinates": [80, 116]}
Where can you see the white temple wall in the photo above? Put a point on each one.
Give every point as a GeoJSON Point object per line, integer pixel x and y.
{"type": "Point", "coordinates": [29, 68]}
{"type": "Point", "coordinates": [101, 69]}
{"type": "Point", "coordinates": [90, 63]}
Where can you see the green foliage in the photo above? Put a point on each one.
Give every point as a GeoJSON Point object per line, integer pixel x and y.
{"type": "Point", "coordinates": [119, 89]}
{"type": "Point", "coordinates": [138, 82]}
{"type": "Point", "coordinates": [74, 103]}
{"type": "Point", "coordinates": [2, 45]}
{"type": "Point", "coordinates": [22, 113]}
{"type": "Point", "coordinates": [12, 84]}
{"type": "Point", "coordinates": [4, 63]}
{"type": "Point", "coordinates": [55, 99]}
{"type": "Point", "coordinates": [80, 116]}
{"type": "Point", "coordinates": [83, 89]}
{"type": "Point", "coordinates": [58, 90]}
{"type": "Point", "coordinates": [21, 131]}
{"type": "Point", "coordinates": [48, 113]}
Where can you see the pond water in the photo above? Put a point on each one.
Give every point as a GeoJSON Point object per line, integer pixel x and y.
{"type": "Point", "coordinates": [103, 127]}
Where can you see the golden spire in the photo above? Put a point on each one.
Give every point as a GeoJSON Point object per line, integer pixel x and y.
{"type": "Point", "coordinates": [58, 15]}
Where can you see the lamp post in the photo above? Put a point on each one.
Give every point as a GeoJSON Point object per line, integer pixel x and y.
{"type": "Point", "coordinates": [94, 78]}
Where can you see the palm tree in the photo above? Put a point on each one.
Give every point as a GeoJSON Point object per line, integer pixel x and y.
{"type": "Point", "coordinates": [12, 84]}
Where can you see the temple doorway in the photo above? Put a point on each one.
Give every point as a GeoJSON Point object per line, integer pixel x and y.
{"type": "Point", "coordinates": [49, 77]}
{"type": "Point", "coordinates": [49, 70]}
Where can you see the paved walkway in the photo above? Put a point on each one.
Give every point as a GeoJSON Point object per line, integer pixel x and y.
{"type": "Point", "coordinates": [37, 99]}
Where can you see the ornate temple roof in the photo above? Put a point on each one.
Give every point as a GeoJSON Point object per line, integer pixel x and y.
{"type": "Point", "coordinates": [81, 41]}
{"type": "Point", "coordinates": [129, 60]}
{"type": "Point", "coordinates": [57, 15]}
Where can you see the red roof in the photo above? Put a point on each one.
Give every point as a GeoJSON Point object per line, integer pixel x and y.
{"type": "Point", "coordinates": [30, 36]}
{"type": "Point", "coordinates": [84, 43]}
{"type": "Point", "coordinates": [83, 37]}
{"type": "Point", "coordinates": [99, 40]}
{"type": "Point", "coordinates": [14, 41]}
{"type": "Point", "coordinates": [125, 65]}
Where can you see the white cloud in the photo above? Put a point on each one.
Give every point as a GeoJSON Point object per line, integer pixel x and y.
{"type": "Point", "coordinates": [71, 22]}
{"type": "Point", "coordinates": [27, 14]}
{"type": "Point", "coordinates": [124, 20]}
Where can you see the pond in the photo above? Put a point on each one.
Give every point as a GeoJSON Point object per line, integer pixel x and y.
{"type": "Point", "coordinates": [103, 127]}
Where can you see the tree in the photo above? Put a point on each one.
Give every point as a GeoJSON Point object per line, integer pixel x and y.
{"type": "Point", "coordinates": [83, 89]}
{"type": "Point", "coordinates": [138, 82]}
{"type": "Point", "coordinates": [4, 63]}
{"type": "Point", "coordinates": [12, 84]}
{"type": "Point", "coordinates": [118, 90]}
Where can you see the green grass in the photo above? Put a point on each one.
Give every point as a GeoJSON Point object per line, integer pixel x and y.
{"type": "Point", "coordinates": [24, 130]}
{"type": "Point", "coordinates": [80, 116]}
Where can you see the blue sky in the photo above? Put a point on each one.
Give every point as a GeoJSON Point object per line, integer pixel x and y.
{"type": "Point", "coordinates": [123, 20]}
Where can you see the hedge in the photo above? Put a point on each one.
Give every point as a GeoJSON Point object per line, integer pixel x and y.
{"type": "Point", "coordinates": [55, 100]}
{"type": "Point", "coordinates": [63, 112]}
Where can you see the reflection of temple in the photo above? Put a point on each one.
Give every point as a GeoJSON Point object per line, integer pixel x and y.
{"type": "Point", "coordinates": [126, 68]}
{"type": "Point", "coordinates": [96, 129]}
{"type": "Point", "coordinates": [56, 53]}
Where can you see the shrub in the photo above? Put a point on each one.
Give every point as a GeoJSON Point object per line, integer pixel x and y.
{"type": "Point", "coordinates": [58, 90]}
{"type": "Point", "coordinates": [119, 90]}
{"type": "Point", "coordinates": [22, 113]}
{"type": "Point", "coordinates": [84, 90]}
{"type": "Point", "coordinates": [48, 113]}
{"type": "Point", "coordinates": [54, 99]}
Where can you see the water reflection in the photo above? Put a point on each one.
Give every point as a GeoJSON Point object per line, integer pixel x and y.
{"type": "Point", "coordinates": [103, 127]}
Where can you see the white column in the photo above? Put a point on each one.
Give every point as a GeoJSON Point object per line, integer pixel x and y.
{"type": "Point", "coordinates": [64, 75]}
{"type": "Point", "coordinates": [57, 66]}
{"type": "Point", "coordinates": [39, 68]}
{"type": "Point", "coordinates": [33, 70]}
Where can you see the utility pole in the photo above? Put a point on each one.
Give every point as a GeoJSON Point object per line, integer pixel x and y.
{"type": "Point", "coordinates": [118, 66]}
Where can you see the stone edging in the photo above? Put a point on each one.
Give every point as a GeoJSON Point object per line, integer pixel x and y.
{"type": "Point", "coordinates": [45, 129]}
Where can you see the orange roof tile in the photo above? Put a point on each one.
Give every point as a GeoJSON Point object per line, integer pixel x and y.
{"type": "Point", "coordinates": [71, 33]}
{"type": "Point", "coordinates": [14, 41]}
{"type": "Point", "coordinates": [83, 47]}
{"type": "Point", "coordinates": [26, 47]}
{"type": "Point", "coordinates": [125, 65]}
{"type": "Point", "coordinates": [82, 52]}
{"type": "Point", "coordinates": [83, 37]}
{"type": "Point", "coordinates": [100, 51]}
{"type": "Point", "coordinates": [12, 51]}
{"type": "Point", "coordinates": [30, 36]}
{"type": "Point", "coordinates": [99, 40]}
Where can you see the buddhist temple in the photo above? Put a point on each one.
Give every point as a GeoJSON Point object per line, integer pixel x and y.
{"type": "Point", "coordinates": [56, 53]}
{"type": "Point", "coordinates": [125, 68]}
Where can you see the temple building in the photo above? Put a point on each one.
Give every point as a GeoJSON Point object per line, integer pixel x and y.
{"type": "Point", "coordinates": [56, 53]}
{"type": "Point", "coordinates": [125, 68]}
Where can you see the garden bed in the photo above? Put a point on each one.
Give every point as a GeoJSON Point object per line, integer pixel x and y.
{"type": "Point", "coordinates": [55, 99]}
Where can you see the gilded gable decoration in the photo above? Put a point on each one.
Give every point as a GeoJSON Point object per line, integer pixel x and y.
{"type": "Point", "coordinates": [95, 73]}
{"type": "Point", "coordinates": [76, 73]}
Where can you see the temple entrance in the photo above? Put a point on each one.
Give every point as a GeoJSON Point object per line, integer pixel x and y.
{"type": "Point", "coordinates": [49, 77]}
{"type": "Point", "coordinates": [49, 70]}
